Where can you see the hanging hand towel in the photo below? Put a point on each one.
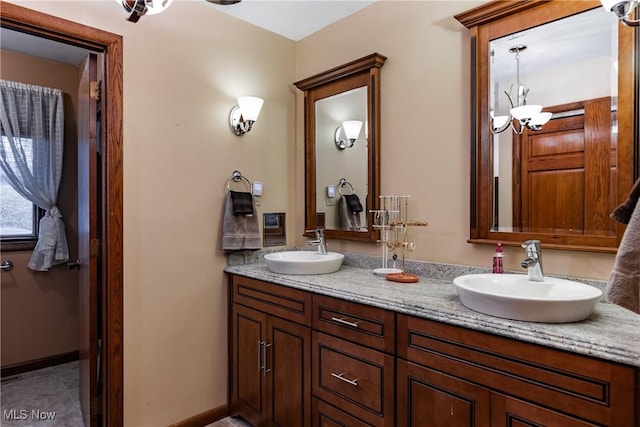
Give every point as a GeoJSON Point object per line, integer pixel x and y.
{"type": "Point", "coordinates": [242, 202]}
{"type": "Point", "coordinates": [353, 202]}
{"type": "Point", "coordinates": [349, 220]}
{"type": "Point", "coordinates": [623, 287]}
{"type": "Point", "coordinates": [239, 231]}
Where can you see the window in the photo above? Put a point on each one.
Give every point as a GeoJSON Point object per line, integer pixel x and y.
{"type": "Point", "coordinates": [18, 216]}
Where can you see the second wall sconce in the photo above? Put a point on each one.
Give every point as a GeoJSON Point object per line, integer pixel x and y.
{"type": "Point", "coordinates": [351, 132]}
{"type": "Point", "coordinates": [245, 114]}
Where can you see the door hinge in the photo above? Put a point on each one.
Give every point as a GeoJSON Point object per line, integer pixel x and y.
{"type": "Point", "coordinates": [95, 89]}
{"type": "Point", "coordinates": [94, 248]}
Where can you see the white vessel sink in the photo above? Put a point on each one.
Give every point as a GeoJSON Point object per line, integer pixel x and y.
{"type": "Point", "coordinates": [303, 262]}
{"type": "Point", "coordinates": [513, 296]}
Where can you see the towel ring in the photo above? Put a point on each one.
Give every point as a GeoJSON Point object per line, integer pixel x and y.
{"type": "Point", "coordinates": [342, 183]}
{"type": "Point", "coordinates": [236, 176]}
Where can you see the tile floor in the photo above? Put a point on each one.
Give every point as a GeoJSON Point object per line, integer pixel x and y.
{"type": "Point", "coordinates": [43, 398]}
{"type": "Point", "coordinates": [53, 392]}
{"type": "Point", "coordinates": [230, 422]}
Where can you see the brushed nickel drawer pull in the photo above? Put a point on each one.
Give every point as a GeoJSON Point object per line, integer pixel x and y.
{"type": "Point", "coordinates": [346, 380]}
{"type": "Point", "coordinates": [260, 343]}
{"type": "Point", "coordinates": [345, 322]}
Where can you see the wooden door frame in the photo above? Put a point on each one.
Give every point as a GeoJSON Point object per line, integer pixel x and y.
{"type": "Point", "coordinates": [110, 45]}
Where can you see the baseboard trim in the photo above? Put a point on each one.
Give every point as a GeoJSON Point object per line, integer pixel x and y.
{"type": "Point", "coordinates": [204, 418]}
{"type": "Point", "coordinates": [32, 365]}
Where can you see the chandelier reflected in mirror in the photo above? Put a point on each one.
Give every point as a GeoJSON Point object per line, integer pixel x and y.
{"type": "Point", "coordinates": [521, 115]}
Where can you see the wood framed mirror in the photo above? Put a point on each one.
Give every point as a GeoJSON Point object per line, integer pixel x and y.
{"type": "Point", "coordinates": [557, 184]}
{"type": "Point", "coordinates": [337, 165]}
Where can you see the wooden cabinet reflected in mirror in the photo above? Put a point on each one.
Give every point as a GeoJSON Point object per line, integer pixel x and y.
{"type": "Point", "coordinates": [342, 170]}
{"type": "Point", "coordinates": [560, 181]}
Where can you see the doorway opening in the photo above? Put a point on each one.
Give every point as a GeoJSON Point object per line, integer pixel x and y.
{"type": "Point", "coordinates": [107, 249]}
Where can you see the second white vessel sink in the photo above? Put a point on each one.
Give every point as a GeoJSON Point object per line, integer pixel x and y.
{"type": "Point", "coordinates": [514, 296]}
{"type": "Point", "coordinates": [303, 262]}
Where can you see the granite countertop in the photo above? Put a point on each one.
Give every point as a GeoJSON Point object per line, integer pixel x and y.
{"type": "Point", "coordinates": [610, 333]}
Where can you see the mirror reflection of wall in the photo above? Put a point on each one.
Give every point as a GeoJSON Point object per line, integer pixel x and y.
{"type": "Point", "coordinates": [333, 163]}
{"type": "Point", "coordinates": [565, 63]}
{"type": "Point", "coordinates": [274, 229]}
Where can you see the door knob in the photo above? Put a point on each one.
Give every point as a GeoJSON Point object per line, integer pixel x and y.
{"type": "Point", "coordinates": [74, 265]}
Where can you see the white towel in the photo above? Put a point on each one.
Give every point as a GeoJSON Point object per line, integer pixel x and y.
{"type": "Point", "coordinates": [623, 287]}
{"type": "Point", "coordinates": [239, 232]}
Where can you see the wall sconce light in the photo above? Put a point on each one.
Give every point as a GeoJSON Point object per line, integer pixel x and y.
{"type": "Point", "coordinates": [351, 132]}
{"type": "Point", "coordinates": [623, 10]}
{"type": "Point", "coordinates": [245, 114]}
{"type": "Point", "coordinates": [136, 8]}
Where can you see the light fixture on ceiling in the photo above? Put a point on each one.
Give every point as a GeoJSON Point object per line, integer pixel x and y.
{"type": "Point", "coordinates": [135, 9]}
{"type": "Point", "coordinates": [245, 114]}
{"type": "Point", "coordinates": [224, 2]}
{"type": "Point", "coordinates": [623, 10]}
{"type": "Point", "coordinates": [351, 133]}
{"type": "Point", "coordinates": [521, 115]}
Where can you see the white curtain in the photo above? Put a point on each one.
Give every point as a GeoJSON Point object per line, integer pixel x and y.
{"type": "Point", "coordinates": [35, 115]}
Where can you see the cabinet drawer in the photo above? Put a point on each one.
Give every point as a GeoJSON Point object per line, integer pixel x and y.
{"type": "Point", "coordinates": [597, 390]}
{"type": "Point", "coordinates": [288, 303]}
{"type": "Point", "coordinates": [325, 415]}
{"type": "Point", "coordinates": [370, 326]}
{"type": "Point", "coordinates": [355, 379]}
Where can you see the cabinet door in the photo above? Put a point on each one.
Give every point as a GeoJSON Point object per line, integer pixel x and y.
{"type": "Point", "coordinates": [429, 398]}
{"type": "Point", "coordinates": [248, 385]}
{"type": "Point", "coordinates": [510, 412]}
{"type": "Point", "coordinates": [288, 373]}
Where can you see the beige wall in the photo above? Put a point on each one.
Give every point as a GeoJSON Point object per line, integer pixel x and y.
{"type": "Point", "coordinates": [40, 310]}
{"type": "Point", "coordinates": [425, 93]}
{"type": "Point", "coordinates": [182, 72]}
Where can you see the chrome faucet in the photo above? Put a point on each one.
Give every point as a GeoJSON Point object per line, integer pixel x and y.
{"type": "Point", "coordinates": [322, 244]}
{"type": "Point", "coordinates": [533, 262]}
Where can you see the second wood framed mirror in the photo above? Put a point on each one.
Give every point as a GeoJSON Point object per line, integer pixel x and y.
{"type": "Point", "coordinates": [342, 181]}
{"type": "Point", "coordinates": [557, 182]}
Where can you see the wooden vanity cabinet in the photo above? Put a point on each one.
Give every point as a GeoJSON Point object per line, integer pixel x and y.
{"type": "Point", "coordinates": [299, 359]}
{"type": "Point", "coordinates": [473, 378]}
{"type": "Point", "coordinates": [270, 360]}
